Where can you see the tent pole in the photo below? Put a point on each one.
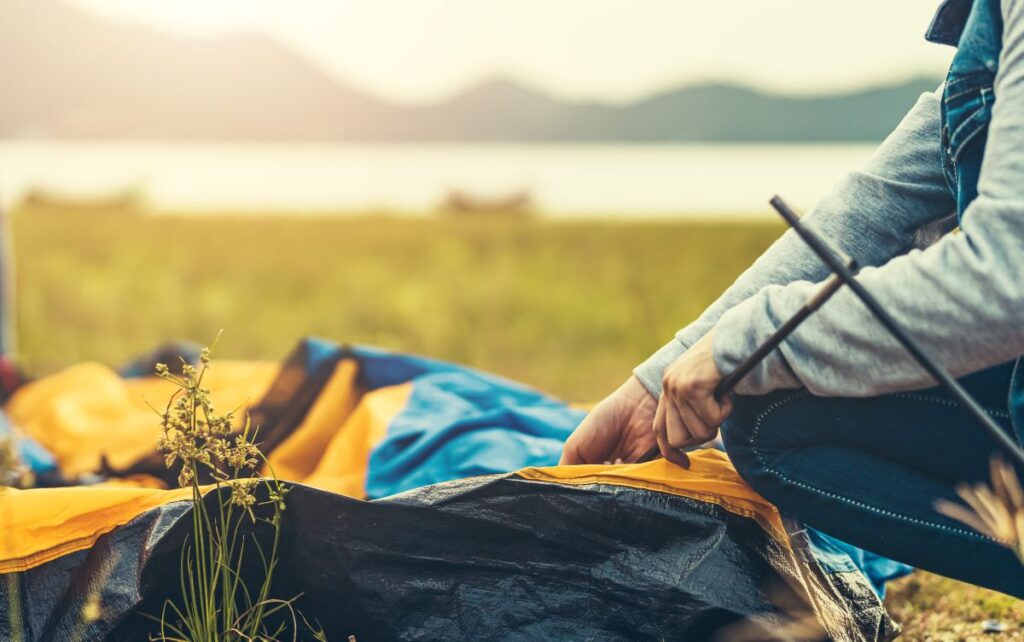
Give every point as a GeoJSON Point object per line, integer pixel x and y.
{"type": "Point", "coordinates": [926, 361]}
{"type": "Point", "coordinates": [844, 273]}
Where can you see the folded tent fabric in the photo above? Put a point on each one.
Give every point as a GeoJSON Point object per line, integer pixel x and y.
{"type": "Point", "coordinates": [610, 553]}
{"type": "Point", "coordinates": [87, 414]}
{"type": "Point", "coordinates": [458, 422]}
{"type": "Point", "coordinates": [367, 423]}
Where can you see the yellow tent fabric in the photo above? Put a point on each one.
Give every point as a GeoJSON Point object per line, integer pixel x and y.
{"type": "Point", "coordinates": [710, 478]}
{"type": "Point", "coordinates": [331, 448]}
{"type": "Point", "coordinates": [88, 411]}
{"type": "Point", "coordinates": [45, 523]}
{"type": "Point", "coordinates": [342, 468]}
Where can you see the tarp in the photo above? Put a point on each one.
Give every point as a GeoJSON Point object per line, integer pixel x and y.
{"type": "Point", "coordinates": [647, 551]}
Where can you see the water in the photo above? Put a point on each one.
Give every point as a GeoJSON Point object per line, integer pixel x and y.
{"type": "Point", "coordinates": [563, 180]}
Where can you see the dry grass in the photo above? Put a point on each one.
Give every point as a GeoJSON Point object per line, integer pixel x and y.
{"type": "Point", "coordinates": [569, 307]}
{"type": "Point", "coordinates": [936, 609]}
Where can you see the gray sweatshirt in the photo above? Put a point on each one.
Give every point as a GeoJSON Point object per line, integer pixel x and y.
{"type": "Point", "coordinates": [962, 297]}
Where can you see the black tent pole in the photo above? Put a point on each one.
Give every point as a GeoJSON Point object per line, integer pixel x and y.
{"type": "Point", "coordinates": [843, 272]}
{"type": "Point", "coordinates": [940, 375]}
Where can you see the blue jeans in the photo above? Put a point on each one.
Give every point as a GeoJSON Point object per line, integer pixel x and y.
{"type": "Point", "coordinates": [868, 471]}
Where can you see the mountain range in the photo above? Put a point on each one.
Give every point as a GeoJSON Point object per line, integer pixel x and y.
{"type": "Point", "coordinates": [68, 75]}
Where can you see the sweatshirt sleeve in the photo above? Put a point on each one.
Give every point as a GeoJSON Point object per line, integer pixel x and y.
{"type": "Point", "coordinates": [962, 298]}
{"type": "Point", "coordinates": [872, 214]}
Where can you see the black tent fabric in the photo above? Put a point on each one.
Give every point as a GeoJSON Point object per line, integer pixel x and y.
{"type": "Point", "coordinates": [490, 558]}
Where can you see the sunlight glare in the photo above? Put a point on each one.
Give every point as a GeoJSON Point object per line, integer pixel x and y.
{"type": "Point", "coordinates": [194, 17]}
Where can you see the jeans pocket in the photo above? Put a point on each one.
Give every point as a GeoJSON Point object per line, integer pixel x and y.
{"type": "Point", "coordinates": [966, 111]}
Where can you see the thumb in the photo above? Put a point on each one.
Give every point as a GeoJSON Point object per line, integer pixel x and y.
{"type": "Point", "coordinates": [570, 454]}
{"type": "Point", "coordinates": [592, 440]}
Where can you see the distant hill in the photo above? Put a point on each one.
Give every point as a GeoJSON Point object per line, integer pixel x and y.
{"type": "Point", "coordinates": [68, 75]}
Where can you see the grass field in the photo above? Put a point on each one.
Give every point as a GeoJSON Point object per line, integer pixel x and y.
{"type": "Point", "coordinates": [568, 307]}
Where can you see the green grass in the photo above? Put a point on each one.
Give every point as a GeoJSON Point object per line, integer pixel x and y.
{"type": "Point", "coordinates": [569, 307]}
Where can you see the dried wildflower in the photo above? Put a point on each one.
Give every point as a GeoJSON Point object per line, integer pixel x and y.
{"type": "Point", "coordinates": [242, 492]}
{"type": "Point", "coordinates": [206, 445]}
{"type": "Point", "coordinates": [996, 511]}
{"type": "Point", "coordinates": [200, 440]}
{"type": "Point", "coordinates": [277, 495]}
{"type": "Point", "coordinates": [13, 472]}
{"type": "Point", "coordinates": [8, 458]}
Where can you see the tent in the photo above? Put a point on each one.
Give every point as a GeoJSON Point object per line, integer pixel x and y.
{"type": "Point", "coordinates": [425, 505]}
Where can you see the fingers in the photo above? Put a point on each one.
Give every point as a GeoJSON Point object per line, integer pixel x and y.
{"type": "Point", "coordinates": [588, 444]}
{"type": "Point", "coordinates": [677, 425]}
{"type": "Point", "coordinates": [726, 406]}
{"type": "Point", "coordinates": [683, 426]}
{"type": "Point", "coordinates": [644, 448]}
{"type": "Point", "coordinates": [660, 428]}
{"type": "Point", "coordinates": [700, 412]}
{"type": "Point", "coordinates": [668, 412]}
{"type": "Point", "coordinates": [570, 454]}
{"type": "Point", "coordinates": [599, 437]}
{"type": "Point", "coordinates": [711, 411]}
{"type": "Point", "coordinates": [696, 428]}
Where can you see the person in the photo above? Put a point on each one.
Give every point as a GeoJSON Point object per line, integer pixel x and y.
{"type": "Point", "coordinates": [839, 426]}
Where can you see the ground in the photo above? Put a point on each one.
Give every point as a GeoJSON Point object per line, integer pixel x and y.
{"type": "Point", "coordinates": [936, 609]}
{"type": "Point", "coordinates": [569, 307]}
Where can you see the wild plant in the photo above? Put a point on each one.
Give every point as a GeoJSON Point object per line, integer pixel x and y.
{"type": "Point", "coordinates": [995, 509]}
{"type": "Point", "coordinates": [13, 473]}
{"type": "Point", "coordinates": [217, 605]}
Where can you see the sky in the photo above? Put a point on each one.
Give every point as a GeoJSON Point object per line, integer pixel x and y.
{"type": "Point", "coordinates": [609, 50]}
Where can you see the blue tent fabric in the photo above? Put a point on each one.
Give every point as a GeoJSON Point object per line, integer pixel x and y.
{"type": "Point", "coordinates": [460, 422]}
{"type": "Point", "coordinates": [837, 556]}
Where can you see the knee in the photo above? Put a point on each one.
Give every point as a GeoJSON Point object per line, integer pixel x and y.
{"type": "Point", "coordinates": [744, 425]}
{"type": "Point", "coordinates": [754, 438]}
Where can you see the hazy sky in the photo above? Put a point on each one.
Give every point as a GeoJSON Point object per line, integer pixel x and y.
{"type": "Point", "coordinates": [417, 50]}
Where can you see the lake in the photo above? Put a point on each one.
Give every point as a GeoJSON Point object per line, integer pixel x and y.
{"type": "Point", "coordinates": [563, 180]}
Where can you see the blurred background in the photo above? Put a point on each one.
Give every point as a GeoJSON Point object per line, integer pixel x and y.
{"type": "Point", "coordinates": [546, 190]}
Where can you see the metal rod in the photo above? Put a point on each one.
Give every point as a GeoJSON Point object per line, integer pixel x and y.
{"type": "Point", "coordinates": [843, 272]}
{"type": "Point", "coordinates": [726, 385]}
{"type": "Point", "coordinates": [940, 375]}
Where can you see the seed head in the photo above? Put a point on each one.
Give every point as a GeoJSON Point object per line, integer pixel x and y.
{"type": "Point", "coordinates": [996, 511]}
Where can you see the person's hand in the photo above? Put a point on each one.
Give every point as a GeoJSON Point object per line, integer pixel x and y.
{"type": "Point", "coordinates": [618, 428]}
{"type": "Point", "coordinates": [688, 414]}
